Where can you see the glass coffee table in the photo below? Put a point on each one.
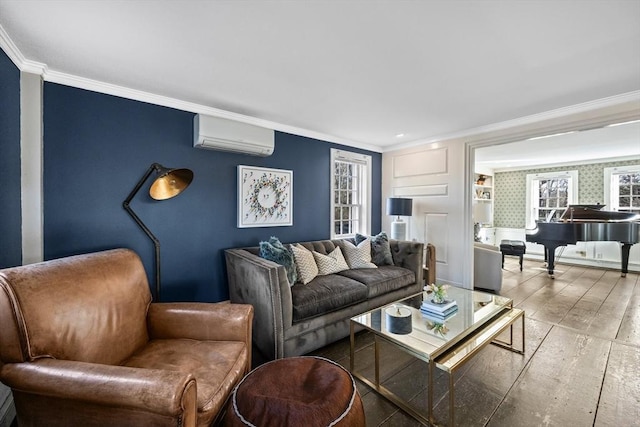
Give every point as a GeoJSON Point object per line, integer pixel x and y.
{"type": "Point", "coordinates": [443, 343]}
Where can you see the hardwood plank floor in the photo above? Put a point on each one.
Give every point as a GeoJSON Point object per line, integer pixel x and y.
{"type": "Point", "coordinates": [581, 366]}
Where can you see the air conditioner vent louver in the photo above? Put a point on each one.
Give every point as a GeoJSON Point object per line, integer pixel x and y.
{"type": "Point", "coordinates": [215, 133]}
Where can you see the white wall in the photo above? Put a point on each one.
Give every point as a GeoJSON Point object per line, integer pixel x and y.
{"type": "Point", "coordinates": [439, 175]}
{"type": "Point", "coordinates": [432, 175]}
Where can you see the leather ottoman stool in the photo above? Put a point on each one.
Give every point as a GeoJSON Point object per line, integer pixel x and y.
{"type": "Point", "coordinates": [297, 391]}
{"type": "Point", "coordinates": [513, 247]}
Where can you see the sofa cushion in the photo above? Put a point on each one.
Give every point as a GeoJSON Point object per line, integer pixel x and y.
{"type": "Point", "coordinates": [325, 294]}
{"type": "Point", "coordinates": [306, 266]}
{"type": "Point", "coordinates": [275, 251]}
{"type": "Point", "coordinates": [331, 263]}
{"type": "Point", "coordinates": [381, 280]}
{"type": "Point", "coordinates": [358, 256]}
{"type": "Point", "coordinates": [380, 248]}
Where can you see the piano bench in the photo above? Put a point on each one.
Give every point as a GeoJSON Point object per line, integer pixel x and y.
{"type": "Point", "coordinates": [513, 248]}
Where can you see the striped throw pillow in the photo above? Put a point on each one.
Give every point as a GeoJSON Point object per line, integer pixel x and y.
{"type": "Point", "coordinates": [359, 256]}
{"type": "Point", "coordinates": [330, 263]}
{"type": "Point", "coordinates": [305, 263]}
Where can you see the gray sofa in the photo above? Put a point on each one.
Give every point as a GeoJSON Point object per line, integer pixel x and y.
{"type": "Point", "coordinates": [487, 267]}
{"type": "Point", "coordinates": [294, 320]}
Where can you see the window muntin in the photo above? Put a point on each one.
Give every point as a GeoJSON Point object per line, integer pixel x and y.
{"type": "Point", "coordinates": [350, 186]}
{"type": "Point", "coordinates": [553, 197]}
{"type": "Point", "coordinates": [622, 188]}
{"type": "Point", "coordinates": [549, 194]}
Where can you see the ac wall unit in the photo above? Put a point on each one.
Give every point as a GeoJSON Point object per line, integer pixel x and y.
{"type": "Point", "coordinates": [215, 133]}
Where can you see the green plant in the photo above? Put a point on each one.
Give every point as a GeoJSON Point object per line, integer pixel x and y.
{"type": "Point", "coordinates": [438, 292]}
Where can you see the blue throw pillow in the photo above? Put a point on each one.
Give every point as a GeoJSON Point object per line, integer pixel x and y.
{"type": "Point", "coordinates": [275, 251]}
{"type": "Point", "coordinates": [380, 249]}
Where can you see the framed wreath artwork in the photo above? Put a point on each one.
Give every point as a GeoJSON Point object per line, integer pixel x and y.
{"type": "Point", "coordinates": [265, 197]}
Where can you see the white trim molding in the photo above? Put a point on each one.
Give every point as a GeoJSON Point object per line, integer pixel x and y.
{"type": "Point", "coordinates": [581, 117]}
{"type": "Point", "coordinates": [532, 191]}
{"type": "Point", "coordinates": [31, 167]}
{"type": "Point", "coordinates": [611, 185]}
{"type": "Point", "coordinates": [587, 115]}
{"type": "Point", "coordinates": [589, 111]}
{"type": "Point", "coordinates": [365, 189]}
{"type": "Point", "coordinates": [165, 101]}
{"type": "Point", "coordinates": [12, 51]}
{"type": "Point", "coordinates": [54, 76]}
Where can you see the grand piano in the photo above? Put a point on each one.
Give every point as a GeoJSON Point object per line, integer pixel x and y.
{"type": "Point", "coordinates": [587, 223]}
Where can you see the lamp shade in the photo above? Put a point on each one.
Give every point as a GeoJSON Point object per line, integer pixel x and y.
{"type": "Point", "coordinates": [170, 182]}
{"type": "Point", "coordinates": [399, 206]}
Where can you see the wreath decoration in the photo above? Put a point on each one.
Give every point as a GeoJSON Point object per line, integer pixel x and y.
{"type": "Point", "coordinates": [267, 197]}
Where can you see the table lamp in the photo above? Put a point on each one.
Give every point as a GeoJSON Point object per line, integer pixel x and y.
{"type": "Point", "coordinates": [399, 207]}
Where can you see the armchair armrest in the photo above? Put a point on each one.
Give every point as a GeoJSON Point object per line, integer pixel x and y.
{"type": "Point", "coordinates": [103, 387]}
{"type": "Point", "coordinates": [201, 321]}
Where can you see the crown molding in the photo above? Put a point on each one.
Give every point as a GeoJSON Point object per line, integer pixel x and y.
{"type": "Point", "coordinates": [165, 101]}
{"type": "Point", "coordinates": [568, 164]}
{"type": "Point", "coordinates": [586, 107]}
{"type": "Point", "coordinates": [53, 76]}
{"type": "Point", "coordinates": [12, 51]}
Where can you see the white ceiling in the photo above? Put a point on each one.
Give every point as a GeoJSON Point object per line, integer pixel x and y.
{"type": "Point", "coordinates": [357, 72]}
{"type": "Point", "coordinates": [594, 145]}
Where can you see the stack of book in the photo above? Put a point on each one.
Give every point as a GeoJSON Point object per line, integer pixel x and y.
{"type": "Point", "coordinates": [438, 312]}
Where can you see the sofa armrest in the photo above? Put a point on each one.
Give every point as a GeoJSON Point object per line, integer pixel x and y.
{"type": "Point", "coordinates": [408, 255]}
{"type": "Point", "coordinates": [201, 321]}
{"type": "Point", "coordinates": [430, 263]}
{"type": "Point", "coordinates": [116, 390]}
{"type": "Point", "coordinates": [263, 284]}
{"type": "Point", "coordinates": [487, 268]}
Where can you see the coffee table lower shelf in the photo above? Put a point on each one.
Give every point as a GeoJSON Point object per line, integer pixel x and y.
{"type": "Point", "coordinates": [449, 361]}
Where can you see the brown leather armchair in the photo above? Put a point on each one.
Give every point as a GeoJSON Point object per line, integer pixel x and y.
{"type": "Point", "coordinates": [81, 344]}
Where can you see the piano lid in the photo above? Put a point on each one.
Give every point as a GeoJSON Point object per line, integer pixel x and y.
{"type": "Point", "coordinates": [594, 213]}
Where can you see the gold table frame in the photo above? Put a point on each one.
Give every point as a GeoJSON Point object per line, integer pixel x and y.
{"type": "Point", "coordinates": [449, 360]}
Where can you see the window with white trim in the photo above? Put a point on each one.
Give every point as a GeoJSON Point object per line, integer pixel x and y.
{"type": "Point", "coordinates": [622, 188]}
{"type": "Point", "coordinates": [549, 194]}
{"type": "Point", "coordinates": [350, 193]}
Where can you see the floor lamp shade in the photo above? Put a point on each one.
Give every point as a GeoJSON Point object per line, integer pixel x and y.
{"type": "Point", "coordinates": [399, 207]}
{"type": "Point", "coordinates": [167, 184]}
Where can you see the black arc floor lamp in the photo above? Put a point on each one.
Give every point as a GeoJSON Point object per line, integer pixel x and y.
{"type": "Point", "coordinates": [167, 184]}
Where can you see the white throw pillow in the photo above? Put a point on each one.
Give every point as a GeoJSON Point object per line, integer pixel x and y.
{"type": "Point", "coordinates": [359, 256]}
{"type": "Point", "coordinates": [330, 263]}
{"type": "Point", "coordinates": [305, 264]}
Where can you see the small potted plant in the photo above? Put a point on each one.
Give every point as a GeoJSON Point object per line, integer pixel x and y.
{"type": "Point", "coordinates": [438, 293]}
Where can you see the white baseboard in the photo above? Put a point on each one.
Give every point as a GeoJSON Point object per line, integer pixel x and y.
{"type": "Point", "coordinates": [588, 254]}
{"type": "Point", "coordinates": [611, 265]}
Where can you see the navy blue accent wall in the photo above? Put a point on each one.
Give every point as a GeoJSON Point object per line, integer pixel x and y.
{"type": "Point", "coordinates": [11, 218]}
{"type": "Point", "coordinates": [98, 146]}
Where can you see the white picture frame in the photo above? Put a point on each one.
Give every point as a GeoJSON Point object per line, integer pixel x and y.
{"type": "Point", "coordinates": [265, 197]}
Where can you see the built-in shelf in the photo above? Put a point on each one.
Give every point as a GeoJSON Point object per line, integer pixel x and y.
{"type": "Point", "coordinates": [483, 200]}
